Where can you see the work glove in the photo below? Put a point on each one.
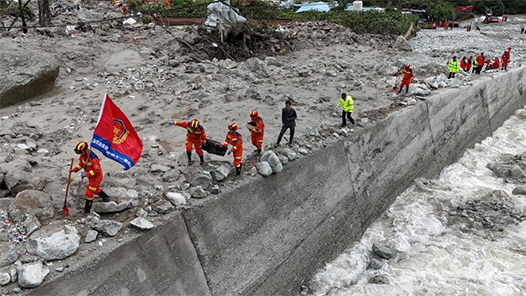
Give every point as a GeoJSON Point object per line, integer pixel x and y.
{"type": "Point", "coordinates": [229, 152]}
{"type": "Point", "coordinates": [83, 175]}
{"type": "Point", "coordinates": [171, 122]}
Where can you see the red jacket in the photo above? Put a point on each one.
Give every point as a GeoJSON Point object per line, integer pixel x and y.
{"type": "Point", "coordinates": [463, 64]}
{"type": "Point", "coordinates": [480, 60]}
{"type": "Point", "coordinates": [496, 64]}
{"type": "Point", "coordinates": [408, 74]}
{"type": "Point", "coordinates": [92, 168]}
{"type": "Point", "coordinates": [194, 135]}
{"type": "Point", "coordinates": [235, 139]}
{"type": "Point", "coordinates": [260, 126]}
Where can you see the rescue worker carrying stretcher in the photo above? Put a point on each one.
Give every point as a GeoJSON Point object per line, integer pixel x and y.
{"type": "Point", "coordinates": [258, 131]}
{"type": "Point", "coordinates": [93, 171]}
{"type": "Point", "coordinates": [234, 138]}
{"type": "Point", "coordinates": [195, 136]}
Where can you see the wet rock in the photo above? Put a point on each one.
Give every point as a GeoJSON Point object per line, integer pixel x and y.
{"type": "Point", "coordinates": [31, 224]}
{"type": "Point", "coordinates": [264, 168]}
{"type": "Point", "coordinates": [379, 279]}
{"type": "Point", "coordinates": [375, 264]}
{"type": "Point", "coordinates": [107, 227]}
{"type": "Point", "coordinates": [382, 251]}
{"type": "Point", "coordinates": [519, 190]}
{"type": "Point", "coordinates": [31, 202]}
{"type": "Point", "coordinates": [503, 170]}
{"type": "Point", "coordinates": [164, 207]}
{"type": "Point", "coordinates": [219, 170]}
{"type": "Point", "coordinates": [58, 245]}
{"type": "Point", "coordinates": [8, 257]}
{"type": "Point", "coordinates": [27, 74]}
{"type": "Point", "coordinates": [198, 192]}
{"type": "Point", "coordinates": [142, 223]}
{"type": "Point", "coordinates": [273, 161]}
{"type": "Point", "coordinates": [199, 178]}
{"type": "Point", "coordinates": [91, 236]}
{"type": "Point", "coordinates": [111, 207]}
{"type": "Point", "coordinates": [5, 278]}
{"type": "Point", "coordinates": [177, 199]}
{"type": "Point", "coordinates": [402, 44]}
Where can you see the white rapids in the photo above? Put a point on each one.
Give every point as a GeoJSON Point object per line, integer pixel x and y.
{"type": "Point", "coordinates": [437, 256]}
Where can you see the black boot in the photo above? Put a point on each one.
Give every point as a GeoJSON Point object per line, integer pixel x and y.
{"type": "Point", "coordinates": [258, 151]}
{"type": "Point", "coordinates": [104, 196]}
{"type": "Point", "coordinates": [202, 159]}
{"type": "Point", "coordinates": [238, 170]}
{"type": "Point", "coordinates": [87, 206]}
{"type": "Point", "coordinates": [189, 154]}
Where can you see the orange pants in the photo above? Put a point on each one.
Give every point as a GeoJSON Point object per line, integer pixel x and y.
{"type": "Point", "coordinates": [405, 83]}
{"type": "Point", "coordinates": [238, 156]}
{"type": "Point", "coordinates": [257, 140]}
{"type": "Point", "coordinates": [504, 64]}
{"type": "Point", "coordinates": [93, 187]}
{"type": "Point", "coordinates": [197, 144]}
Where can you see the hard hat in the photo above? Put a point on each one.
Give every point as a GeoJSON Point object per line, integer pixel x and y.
{"type": "Point", "coordinates": [194, 123]}
{"type": "Point", "coordinates": [407, 65]}
{"type": "Point", "coordinates": [254, 113]}
{"type": "Point", "coordinates": [80, 147]}
{"type": "Point", "coordinates": [232, 126]}
{"type": "Point", "coordinates": [509, 48]}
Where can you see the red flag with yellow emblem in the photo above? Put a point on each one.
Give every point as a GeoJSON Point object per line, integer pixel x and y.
{"type": "Point", "coordinates": [115, 137]}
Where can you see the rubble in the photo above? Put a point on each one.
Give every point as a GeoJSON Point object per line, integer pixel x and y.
{"type": "Point", "coordinates": [273, 161]}
{"type": "Point", "coordinates": [31, 202]}
{"type": "Point", "coordinates": [198, 192]}
{"type": "Point", "coordinates": [107, 227]}
{"type": "Point", "coordinates": [142, 223]}
{"type": "Point", "coordinates": [264, 169]}
{"type": "Point", "coordinates": [177, 199]}
{"type": "Point", "coordinates": [111, 207]}
{"type": "Point", "coordinates": [31, 275]}
{"type": "Point", "coordinates": [55, 246]}
{"type": "Point", "coordinates": [91, 236]}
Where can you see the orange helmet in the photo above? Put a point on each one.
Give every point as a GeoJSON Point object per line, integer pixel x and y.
{"type": "Point", "coordinates": [80, 147]}
{"type": "Point", "coordinates": [232, 126]}
{"type": "Point", "coordinates": [407, 65]}
{"type": "Point", "coordinates": [254, 113]}
{"type": "Point", "coordinates": [194, 123]}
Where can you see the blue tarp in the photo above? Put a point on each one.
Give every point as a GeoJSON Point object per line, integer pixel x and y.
{"type": "Point", "coordinates": [316, 6]}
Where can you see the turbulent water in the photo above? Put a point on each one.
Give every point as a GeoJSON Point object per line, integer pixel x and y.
{"type": "Point", "coordinates": [443, 245]}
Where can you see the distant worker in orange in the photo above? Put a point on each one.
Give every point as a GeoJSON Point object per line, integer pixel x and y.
{"type": "Point", "coordinates": [93, 171]}
{"type": "Point", "coordinates": [195, 136]}
{"type": "Point", "coordinates": [236, 140]}
{"type": "Point", "coordinates": [463, 64]}
{"type": "Point", "coordinates": [496, 63]}
{"type": "Point", "coordinates": [257, 133]}
{"type": "Point", "coordinates": [506, 59]}
{"type": "Point", "coordinates": [408, 77]}
{"type": "Point", "coordinates": [480, 63]}
{"type": "Point", "coordinates": [166, 3]}
{"type": "Point", "coordinates": [446, 25]}
{"type": "Point", "coordinates": [469, 64]}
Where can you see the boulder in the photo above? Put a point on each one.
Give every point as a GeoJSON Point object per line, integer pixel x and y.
{"type": "Point", "coordinates": [303, 151]}
{"type": "Point", "coordinates": [18, 180]}
{"type": "Point", "coordinates": [171, 175]}
{"type": "Point", "coordinates": [198, 192]}
{"type": "Point", "coordinates": [8, 257]}
{"type": "Point", "coordinates": [503, 170]}
{"type": "Point", "coordinates": [31, 202]}
{"type": "Point", "coordinates": [199, 178]}
{"type": "Point", "coordinates": [158, 168]}
{"type": "Point", "coordinates": [519, 190]}
{"type": "Point", "coordinates": [31, 224]}
{"type": "Point", "coordinates": [31, 275]}
{"type": "Point", "coordinates": [142, 223]}
{"type": "Point", "coordinates": [402, 44]}
{"type": "Point", "coordinates": [57, 246]}
{"type": "Point", "coordinates": [25, 74]}
{"type": "Point", "coordinates": [5, 278]}
{"type": "Point", "coordinates": [379, 279]}
{"type": "Point", "coordinates": [164, 207]}
{"type": "Point", "coordinates": [264, 168]}
{"type": "Point", "coordinates": [215, 189]}
{"type": "Point", "coordinates": [177, 199]}
{"type": "Point", "coordinates": [291, 155]}
{"type": "Point", "coordinates": [257, 66]}
{"type": "Point", "coordinates": [382, 251]}
{"type": "Point", "coordinates": [111, 207]}
{"type": "Point", "coordinates": [375, 264]}
{"type": "Point", "coordinates": [273, 161]}
{"type": "Point", "coordinates": [91, 236]}
{"type": "Point", "coordinates": [219, 170]}
{"type": "Point", "coordinates": [14, 275]}
{"type": "Point", "coordinates": [107, 227]}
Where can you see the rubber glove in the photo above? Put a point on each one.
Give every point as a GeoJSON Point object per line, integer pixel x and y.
{"type": "Point", "coordinates": [171, 122]}
{"type": "Point", "coordinates": [229, 152]}
{"type": "Point", "coordinates": [83, 175]}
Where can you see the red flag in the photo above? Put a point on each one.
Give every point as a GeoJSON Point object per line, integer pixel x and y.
{"type": "Point", "coordinates": [115, 137]}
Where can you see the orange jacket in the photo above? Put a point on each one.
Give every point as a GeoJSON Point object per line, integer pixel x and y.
{"type": "Point", "coordinates": [480, 60]}
{"type": "Point", "coordinates": [92, 168]}
{"type": "Point", "coordinates": [235, 139]}
{"type": "Point", "coordinates": [194, 135]}
{"type": "Point", "coordinates": [463, 64]}
{"type": "Point", "coordinates": [469, 63]}
{"type": "Point", "coordinates": [496, 64]}
{"type": "Point", "coordinates": [408, 74]}
{"type": "Point", "coordinates": [260, 126]}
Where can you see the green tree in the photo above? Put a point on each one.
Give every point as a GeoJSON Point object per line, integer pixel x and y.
{"type": "Point", "coordinates": [441, 11]}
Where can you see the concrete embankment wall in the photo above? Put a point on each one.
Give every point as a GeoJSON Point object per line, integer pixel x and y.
{"type": "Point", "coordinates": [267, 237]}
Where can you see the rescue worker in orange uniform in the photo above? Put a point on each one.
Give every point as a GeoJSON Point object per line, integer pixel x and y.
{"type": "Point", "coordinates": [195, 136]}
{"type": "Point", "coordinates": [93, 171]}
{"type": "Point", "coordinates": [408, 77]}
{"type": "Point", "coordinates": [469, 64]}
{"type": "Point", "coordinates": [257, 133]}
{"type": "Point", "coordinates": [480, 63]}
{"type": "Point", "coordinates": [496, 63]}
{"type": "Point", "coordinates": [463, 64]}
{"type": "Point", "coordinates": [236, 140]}
{"type": "Point", "coordinates": [506, 59]}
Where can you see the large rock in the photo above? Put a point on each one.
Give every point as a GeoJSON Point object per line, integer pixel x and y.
{"type": "Point", "coordinates": [402, 44]}
{"type": "Point", "coordinates": [55, 246]}
{"type": "Point", "coordinates": [5, 278]}
{"type": "Point", "coordinates": [171, 176]}
{"type": "Point", "coordinates": [273, 161]}
{"type": "Point", "coordinates": [257, 66]}
{"type": "Point", "coordinates": [519, 190]}
{"type": "Point", "coordinates": [218, 170]}
{"type": "Point", "coordinates": [503, 170]}
{"type": "Point", "coordinates": [199, 178]}
{"type": "Point", "coordinates": [19, 180]}
{"type": "Point", "coordinates": [198, 192]}
{"type": "Point", "coordinates": [382, 251]}
{"type": "Point", "coordinates": [176, 198]}
{"type": "Point", "coordinates": [111, 207]}
{"type": "Point", "coordinates": [31, 202]}
{"type": "Point", "coordinates": [31, 275]}
{"type": "Point", "coordinates": [25, 73]}
{"type": "Point", "coordinates": [142, 223]}
{"type": "Point", "coordinates": [31, 224]}
{"type": "Point", "coordinates": [107, 227]}
{"type": "Point", "coordinates": [264, 168]}
{"type": "Point", "coordinates": [8, 257]}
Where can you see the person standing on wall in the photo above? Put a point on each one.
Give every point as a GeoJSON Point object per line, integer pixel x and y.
{"type": "Point", "coordinates": [288, 118]}
{"type": "Point", "coordinates": [407, 78]}
{"type": "Point", "coordinates": [347, 103]}
{"type": "Point", "coordinates": [506, 59]}
{"type": "Point", "coordinates": [453, 68]}
{"type": "Point", "coordinates": [480, 63]}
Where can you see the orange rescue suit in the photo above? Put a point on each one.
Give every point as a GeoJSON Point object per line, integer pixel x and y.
{"type": "Point", "coordinates": [258, 132]}
{"type": "Point", "coordinates": [195, 137]}
{"type": "Point", "coordinates": [408, 76]}
{"type": "Point", "coordinates": [480, 61]}
{"type": "Point", "coordinates": [93, 172]}
{"type": "Point", "coordinates": [235, 139]}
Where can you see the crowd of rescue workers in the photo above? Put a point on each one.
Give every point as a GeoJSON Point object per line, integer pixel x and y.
{"type": "Point", "coordinates": [196, 136]}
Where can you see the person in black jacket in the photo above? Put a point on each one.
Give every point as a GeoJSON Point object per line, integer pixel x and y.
{"type": "Point", "coordinates": [288, 117]}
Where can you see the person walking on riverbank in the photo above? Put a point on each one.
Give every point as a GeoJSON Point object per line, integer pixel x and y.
{"type": "Point", "coordinates": [347, 103]}
{"type": "Point", "coordinates": [288, 119]}
{"type": "Point", "coordinates": [453, 67]}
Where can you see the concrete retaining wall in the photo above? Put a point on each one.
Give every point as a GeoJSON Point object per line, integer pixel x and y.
{"type": "Point", "coordinates": [268, 237]}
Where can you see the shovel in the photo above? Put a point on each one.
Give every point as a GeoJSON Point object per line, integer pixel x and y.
{"type": "Point", "coordinates": [65, 209]}
{"type": "Point", "coordinates": [395, 87]}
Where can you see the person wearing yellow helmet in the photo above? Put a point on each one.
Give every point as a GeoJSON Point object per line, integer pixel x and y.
{"type": "Point", "coordinates": [195, 136]}
{"type": "Point", "coordinates": [236, 140]}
